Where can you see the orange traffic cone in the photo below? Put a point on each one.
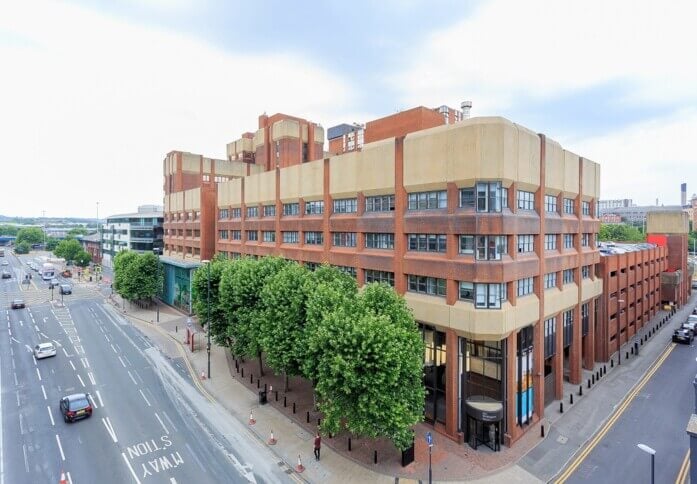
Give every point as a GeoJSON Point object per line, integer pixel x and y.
{"type": "Point", "coordinates": [272, 440]}
{"type": "Point", "coordinates": [251, 418]}
{"type": "Point", "coordinates": [300, 467]}
{"type": "Point", "coordinates": [63, 479]}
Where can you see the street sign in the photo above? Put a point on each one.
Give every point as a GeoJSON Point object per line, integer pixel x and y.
{"type": "Point", "coordinates": [429, 439]}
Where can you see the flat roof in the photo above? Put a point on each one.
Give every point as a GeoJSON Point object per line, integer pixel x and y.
{"type": "Point", "coordinates": [184, 264]}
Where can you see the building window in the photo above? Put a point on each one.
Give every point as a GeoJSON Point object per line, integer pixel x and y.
{"type": "Point", "coordinates": [379, 241]}
{"type": "Point", "coordinates": [568, 276]}
{"type": "Point", "coordinates": [236, 234]}
{"type": "Point", "coordinates": [551, 242]}
{"type": "Point", "coordinates": [426, 242]}
{"type": "Point", "coordinates": [483, 295]}
{"type": "Point", "coordinates": [550, 337]}
{"type": "Point", "coordinates": [344, 239]}
{"type": "Point", "coordinates": [569, 206]}
{"type": "Point", "coordinates": [252, 235]}
{"type": "Point", "coordinates": [426, 285]}
{"type": "Point", "coordinates": [315, 207]}
{"type": "Point", "coordinates": [568, 327]}
{"type": "Point", "coordinates": [524, 383]}
{"type": "Point", "coordinates": [223, 234]}
{"type": "Point", "coordinates": [290, 237]}
{"type": "Point", "coordinates": [525, 243]}
{"type": "Point", "coordinates": [585, 240]}
{"type": "Point", "coordinates": [568, 241]}
{"type": "Point", "coordinates": [314, 238]}
{"type": "Point", "coordinates": [490, 247]}
{"type": "Point", "coordinates": [584, 319]}
{"type": "Point", "coordinates": [550, 280]}
{"type": "Point", "coordinates": [586, 208]}
{"type": "Point", "coordinates": [434, 379]}
{"type": "Point", "coordinates": [351, 271]}
{"type": "Point", "coordinates": [269, 210]}
{"type": "Point", "coordinates": [467, 198]}
{"type": "Point", "coordinates": [268, 236]}
{"type": "Point", "coordinates": [236, 212]}
{"type": "Point", "coordinates": [550, 204]}
{"type": "Point", "coordinates": [485, 197]}
{"type": "Point", "coordinates": [586, 272]}
{"type": "Point", "coordinates": [467, 244]}
{"type": "Point", "coordinates": [291, 208]}
{"type": "Point", "coordinates": [380, 203]}
{"type": "Point", "coordinates": [427, 200]}
{"type": "Point", "coordinates": [379, 276]}
{"type": "Point", "coordinates": [252, 212]}
{"type": "Point", "coordinates": [223, 213]}
{"type": "Point", "coordinates": [346, 205]}
{"type": "Point", "coordinates": [526, 200]}
{"type": "Point", "coordinates": [525, 286]}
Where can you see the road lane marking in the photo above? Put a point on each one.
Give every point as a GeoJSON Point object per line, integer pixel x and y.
{"type": "Point", "coordinates": [85, 363]}
{"type": "Point", "coordinates": [71, 364]}
{"type": "Point", "coordinates": [16, 381]}
{"type": "Point", "coordinates": [44, 335]}
{"type": "Point", "coordinates": [172, 480]}
{"type": "Point", "coordinates": [66, 354]}
{"type": "Point", "coordinates": [112, 347]}
{"type": "Point", "coordinates": [80, 378]}
{"type": "Point", "coordinates": [36, 328]}
{"type": "Point", "coordinates": [684, 468]}
{"type": "Point", "coordinates": [127, 360]}
{"type": "Point", "coordinates": [38, 373]}
{"type": "Point", "coordinates": [614, 417]}
{"type": "Point", "coordinates": [50, 415]}
{"type": "Point", "coordinates": [132, 379]}
{"type": "Point", "coordinates": [99, 396]}
{"type": "Point", "coordinates": [60, 447]}
{"type": "Point", "coordinates": [58, 344]}
{"type": "Point", "coordinates": [162, 423]}
{"type": "Point", "coordinates": [26, 460]}
{"type": "Point", "coordinates": [110, 429]}
{"type": "Point", "coordinates": [91, 398]}
{"type": "Point", "coordinates": [33, 358]}
{"type": "Point", "coordinates": [43, 390]}
{"type": "Point", "coordinates": [10, 331]}
{"type": "Point", "coordinates": [144, 397]}
{"type": "Point", "coordinates": [106, 338]}
{"type": "Point", "coordinates": [70, 479]}
{"type": "Point", "coordinates": [122, 363]}
{"type": "Point", "coordinates": [101, 328]}
{"type": "Point", "coordinates": [135, 477]}
{"type": "Point", "coordinates": [91, 377]}
{"type": "Point", "coordinates": [169, 420]}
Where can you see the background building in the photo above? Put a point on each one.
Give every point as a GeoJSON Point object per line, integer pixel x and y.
{"type": "Point", "coordinates": [140, 232]}
{"type": "Point", "coordinates": [93, 244]}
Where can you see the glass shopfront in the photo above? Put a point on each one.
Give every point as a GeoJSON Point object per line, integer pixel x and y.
{"type": "Point", "coordinates": [434, 374]}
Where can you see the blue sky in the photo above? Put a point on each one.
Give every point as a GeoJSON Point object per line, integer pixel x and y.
{"type": "Point", "coordinates": [100, 91]}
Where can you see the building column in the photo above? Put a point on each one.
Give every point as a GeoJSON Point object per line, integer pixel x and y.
{"type": "Point", "coordinates": [575, 351]}
{"type": "Point", "coordinates": [558, 358]}
{"type": "Point", "coordinates": [400, 202]}
{"type": "Point", "coordinates": [538, 372]}
{"type": "Point", "coordinates": [589, 344]}
{"type": "Point", "coordinates": [451, 385]}
{"type": "Point", "coordinates": [512, 429]}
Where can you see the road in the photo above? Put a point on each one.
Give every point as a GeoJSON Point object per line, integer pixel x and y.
{"type": "Point", "coordinates": [656, 416]}
{"type": "Point", "coordinates": [149, 424]}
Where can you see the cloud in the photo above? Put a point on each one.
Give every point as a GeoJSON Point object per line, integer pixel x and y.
{"type": "Point", "coordinates": [508, 50]}
{"type": "Point", "coordinates": [91, 104]}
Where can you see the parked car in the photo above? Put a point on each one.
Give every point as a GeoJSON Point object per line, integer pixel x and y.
{"type": "Point", "coordinates": [53, 283]}
{"type": "Point", "coordinates": [683, 335]}
{"type": "Point", "coordinates": [44, 350]}
{"type": "Point", "coordinates": [6, 275]}
{"type": "Point", "coordinates": [691, 326]}
{"type": "Point", "coordinates": [75, 406]}
{"type": "Point", "coordinates": [5, 263]}
{"type": "Point", "coordinates": [18, 304]}
{"type": "Point", "coordinates": [65, 289]}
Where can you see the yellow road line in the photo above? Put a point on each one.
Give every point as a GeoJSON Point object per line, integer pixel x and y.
{"type": "Point", "coordinates": [614, 417]}
{"type": "Point", "coordinates": [682, 474]}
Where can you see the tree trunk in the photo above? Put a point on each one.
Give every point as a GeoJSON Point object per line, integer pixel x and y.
{"type": "Point", "coordinates": [286, 387]}
{"type": "Point", "coordinates": [261, 367]}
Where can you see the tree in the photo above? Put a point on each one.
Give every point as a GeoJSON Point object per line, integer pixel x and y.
{"type": "Point", "coordinates": [218, 323]}
{"type": "Point", "coordinates": [75, 231]}
{"type": "Point", "coordinates": [68, 249]}
{"type": "Point", "coordinates": [620, 233]}
{"type": "Point", "coordinates": [83, 258]}
{"type": "Point", "coordinates": [281, 326]}
{"type": "Point", "coordinates": [22, 248]}
{"type": "Point", "coordinates": [10, 230]}
{"type": "Point", "coordinates": [51, 243]}
{"type": "Point", "coordinates": [31, 235]}
{"type": "Point", "coordinates": [370, 374]}
{"type": "Point", "coordinates": [145, 277]}
{"type": "Point", "coordinates": [122, 282]}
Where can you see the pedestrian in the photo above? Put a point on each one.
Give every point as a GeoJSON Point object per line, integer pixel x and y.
{"type": "Point", "coordinates": [318, 445]}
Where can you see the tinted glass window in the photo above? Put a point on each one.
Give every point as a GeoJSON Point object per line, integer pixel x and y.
{"type": "Point", "coordinates": [78, 404]}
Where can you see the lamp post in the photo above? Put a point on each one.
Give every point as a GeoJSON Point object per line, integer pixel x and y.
{"type": "Point", "coordinates": [619, 333]}
{"type": "Point", "coordinates": [652, 452]}
{"type": "Point", "coordinates": [208, 313]}
{"type": "Point", "coordinates": [429, 442]}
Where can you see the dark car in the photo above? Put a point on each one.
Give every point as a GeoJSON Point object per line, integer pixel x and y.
{"type": "Point", "coordinates": [18, 304]}
{"type": "Point", "coordinates": [6, 275]}
{"type": "Point", "coordinates": [76, 406]}
{"type": "Point", "coordinates": [65, 288]}
{"type": "Point", "coordinates": [683, 335]}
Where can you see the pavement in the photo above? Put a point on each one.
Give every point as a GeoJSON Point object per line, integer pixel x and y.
{"type": "Point", "coordinates": [532, 459]}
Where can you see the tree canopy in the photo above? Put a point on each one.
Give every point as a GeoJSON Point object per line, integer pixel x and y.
{"type": "Point", "coordinates": [200, 299]}
{"type": "Point", "coordinates": [31, 235]}
{"type": "Point", "coordinates": [68, 249]}
{"type": "Point", "coordinates": [52, 243]}
{"type": "Point", "coordinates": [620, 233]}
{"type": "Point", "coordinates": [22, 248]}
{"type": "Point", "coordinates": [10, 230]}
{"type": "Point", "coordinates": [137, 276]}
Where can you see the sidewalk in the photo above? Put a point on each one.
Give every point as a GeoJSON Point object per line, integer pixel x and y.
{"type": "Point", "coordinates": [234, 385]}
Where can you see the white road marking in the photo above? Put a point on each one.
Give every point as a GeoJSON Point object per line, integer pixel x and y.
{"type": "Point", "coordinates": [50, 414]}
{"type": "Point", "coordinates": [162, 423]}
{"type": "Point", "coordinates": [110, 429]}
{"type": "Point", "coordinates": [133, 379]}
{"type": "Point", "coordinates": [91, 377]}
{"type": "Point", "coordinates": [112, 347]}
{"type": "Point", "coordinates": [172, 480]}
{"type": "Point", "coordinates": [99, 396]}
{"type": "Point", "coordinates": [72, 364]}
{"type": "Point", "coordinates": [144, 398]}
{"type": "Point", "coordinates": [33, 358]}
{"type": "Point", "coordinates": [106, 338]}
{"type": "Point", "coordinates": [100, 328]}
{"type": "Point", "coordinates": [26, 461]}
{"type": "Point", "coordinates": [127, 360]}
{"type": "Point", "coordinates": [58, 344]}
{"type": "Point", "coordinates": [16, 381]}
{"type": "Point", "coordinates": [66, 353]}
{"type": "Point", "coordinates": [36, 328]}
{"type": "Point", "coordinates": [21, 323]}
{"type": "Point", "coordinates": [169, 420]}
{"type": "Point", "coordinates": [91, 398]}
{"type": "Point", "coordinates": [80, 378]}
{"type": "Point", "coordinates": [19, 404]}
{"type": "Point", "coordinates": [10, 331]}
{"type": "Point", "coordinates": [44, 335]}
{"type": "Point", "coordinates": [85, 363]}
{"type": "Point", "coordinates": [122, 363]}
{"type": "Point", "coordinates": [43, 390]}
{"type": "Point", "coordinates": [38, 373]}
{"type": "Point", "coordinates": [135, 477]}
{"type": "Point", "coordinates": [60, 447]}
{"type": "Point", "coordinates": [70, 479]}
{"type": "Point", "coordinates": [17, 341]}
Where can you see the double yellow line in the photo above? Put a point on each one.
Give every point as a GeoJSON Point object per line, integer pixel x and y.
{"type": "Point", "coordinates": [684, 468]}
{"type": "Point", "coordinates": [615, 416]}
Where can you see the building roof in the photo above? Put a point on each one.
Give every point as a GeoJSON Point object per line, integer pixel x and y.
{"type": "Point", "coordinates": [91, 238]}
{"type": "Point", "coordinates": [613, 248]}
{"type": "Point", "coordinates": [185, 264]}
{"type": "Point", "coordinates": [159, 214]}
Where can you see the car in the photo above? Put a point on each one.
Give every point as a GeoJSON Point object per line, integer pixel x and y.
{"type": "Point", "coordinates": [691, 326]}
{"type": "Point", "coordinates": [65, 289]}
{"type": "Point", "coordinates": [74, 407]}
{"type": "Point", "coordinates": [6, 275]}
{"type": "Point", "coordinates": [694, 311]}
{"type": "Point", "coordinates": [53, 283]}
{"type": "Point", "coordinates": [18, 304]}
{"type": "Point", "coordinates": [44, 350]}
{"type": "Point", "coordinates": [694, 284]}
{"type": "Point", "coordinates": [5, 263]}
{"type": "Point", "coordinates": [683, 335]}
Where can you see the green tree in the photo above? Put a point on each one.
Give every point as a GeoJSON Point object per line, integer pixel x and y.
{"type": "Point", "coordinates": [122, 281]}
{"type": "Point", "coordinates": [281, 327]}
{"type": "Point", "coordinates": [75, 231]}
{"type": "Point", "coordinates": [83, 258]}
{"type": "Point", "coordinates": [620, 233]}
{"type": "Point", "coordinates": [52, 243]}
{"type": "Point", "coordinates": [370, 375]}
{"type": "Point", "coordinates": [68, 249]}
{"type": "Point", "coordinates": [31, 235]}
{"type": "Point", "coordinates": [218, 324]}
{"type": "Point", "coordinates": [145, 276]}
{"type": "Point", "coordinates": [22, 248]}
{"type": "Point", "coordinates": [10, 230]}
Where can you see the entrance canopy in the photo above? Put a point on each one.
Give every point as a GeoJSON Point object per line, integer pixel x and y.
{"type": "Point", "coordinates": [484, 409]}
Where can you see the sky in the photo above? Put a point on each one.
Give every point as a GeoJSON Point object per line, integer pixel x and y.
{"type": "Point", "coordinates": [94, 94]}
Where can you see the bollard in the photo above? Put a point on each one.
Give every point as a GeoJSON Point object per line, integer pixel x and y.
{"type": "Point", "coordinates": [597, 376]}
{"type": "Point", "coordinates": [251, 378]}
{"type": "Point", "coordinates": [542, 431]}
{"type": "Point", "coordinates": [265, 387]}
{"type": "Point", "coordinates": [589, 383]}
{"type": "Point", "coordinates": [349, 446]}
{"type": "Point", "coordinates": [375, 457]}
{"type": "Point", "coordinates": [561, 407]}
{"type": "Point", "coordinates": [571, 398]}
{"type": "Point", "coordinates": [641, 342]}
{"type": "Point", "coordinates": [258, 380]}
{"type": "Point", "coordinates": [319, 422]}
{"type": "Point", "coordinates": [307, 418]}
{"type": "Point", "coordinates": [276, 395]}
{"type": "Point", "coordinates": [593, 378]}
{"type": "Point", "coordinates": [176, 329]}
{"type": "Point", "coordinates": [237, 366]}
{"type": "Point", "coordinates": [580, 390]}
{"type": "Point", "coordinates": [631, 350]}
{"type": "Point", "coordinates": [293, 407]}
{"type": "Point", "coordinates": [612, 363]}
{"type": "Point", "coordinates": [284, 401]}
{"type": "Point", "coordinates": [604, 369]}
{"type": "Point", "coordinates": [626, 355]}
{"type": "Point", "coordinates": [242, 372]}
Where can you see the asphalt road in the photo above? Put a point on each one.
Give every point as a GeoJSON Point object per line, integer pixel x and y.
{"type": "Point", "coordinates": [149, 424]}
{"type": "Point", "coordinates": [657, 417]}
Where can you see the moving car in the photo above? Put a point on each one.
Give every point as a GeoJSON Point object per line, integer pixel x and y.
{"type": "Point", "coordinates": [5, 263]}
{"type": "Point", "coordinates": [690, 326]}
{"type": "Point", "coordinates": [75, 406]}
{"type": "Point", "coordinates": [683, 335]}
{"type": "Point", "coordinates": [65, 288]}
{"type": "Point", "coordinates": [53, 283]}
{"type": "Point", "coordinates": [6, 275]}
{"type": "Point", "coordinates": [18, 304]}
{"type": "Point", "coordinates": [44, 350]}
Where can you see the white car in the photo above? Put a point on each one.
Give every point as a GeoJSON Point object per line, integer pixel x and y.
{"type": "Point", "coordinates": [44, 350]}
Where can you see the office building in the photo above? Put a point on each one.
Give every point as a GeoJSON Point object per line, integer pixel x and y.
{"type": "Point", "coordinates": [140, 232]}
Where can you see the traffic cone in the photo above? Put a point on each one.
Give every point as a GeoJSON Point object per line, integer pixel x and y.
{"type": "Point", "coordinates": [300, 467]}
{"type": "Point", "coordinates": [272, 440]}
{"type": "Point", "coordinates": [251, 418]}
{"type": "Point", "coordinates": [63, 479]}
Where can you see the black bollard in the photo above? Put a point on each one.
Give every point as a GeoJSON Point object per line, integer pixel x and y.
{"type": "Point", "coordinates": [542, 430]}
{"type": "Point", "coordinates": [237, 366]}
{"type": "Point", "coordinates": [561, 407]}
{"type": "Point", "coordinates": [631, 350]}
{"type": "Point", "coordinates": [349, 447]}
{"type": "Point", "coordinates": [276, 391]}
{"type": "Point", "coordinates": [284, 401]}
{"type": "Point", "coordinates": [293, 407]}
{"type": "Point", "coordinates": [589, 383]}
{"type": "Point", "coordinates": [593, 378]}
{"type": "Point", "coordinates": [242, 372]}
{"type": "Point", "coordinates": [626, 355]}
{"type": "Point", "coordinates": [375, 457]}
{"type": "Point", "coordinates": [307, 417]}
{"type": "Point", "coordinates": [258, 380]}
{"type": "Point", "coordinates": [612, 363]}
{"type": "Point", "coordinates": [571, 398]}
{"type": "Point", "coordinates": [597, 376]}
{"type": "Point", "coordinates": [580, 390]}
{"type": "Point", "coordinates": [251, 378]}
{"type": "Point", "coordinates": [319, 422]}
{"type": "Point", "coordinates": [604, 370]}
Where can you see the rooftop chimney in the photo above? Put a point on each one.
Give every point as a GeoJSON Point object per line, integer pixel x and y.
{"type": "Point", "coordinates": [683, 194]}
{"type": "Point", "coordinates": [466, 106]}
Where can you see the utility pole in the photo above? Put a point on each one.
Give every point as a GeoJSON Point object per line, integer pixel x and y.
{"type": "Point", "coordinates": [43, 216]}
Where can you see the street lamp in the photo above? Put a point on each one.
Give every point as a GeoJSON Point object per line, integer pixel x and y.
{"type": "Point", "coordinates": [208, 313]}
{"type": "Point", "coordinates": [619, 333]}
{"type": "Point", "coordinates": [652, 452]}
{"type": "Point", "coordinates": [429, 442]}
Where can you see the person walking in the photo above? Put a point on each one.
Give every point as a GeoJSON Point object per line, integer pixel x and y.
{"type": "Point", "coordinates": [318, 445]}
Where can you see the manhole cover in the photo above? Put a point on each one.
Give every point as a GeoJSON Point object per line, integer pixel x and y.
{"type": "Point", "coordinates": [562, 440]}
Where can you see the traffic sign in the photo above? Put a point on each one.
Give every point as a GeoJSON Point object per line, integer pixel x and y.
{"type": "Point", "coordinates": [429, 439]}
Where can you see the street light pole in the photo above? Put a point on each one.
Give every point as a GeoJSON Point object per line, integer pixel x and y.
{"type": "Point", "coordinates": [208, 313]}
{"type": "Point", "coordinates": [652, 452]}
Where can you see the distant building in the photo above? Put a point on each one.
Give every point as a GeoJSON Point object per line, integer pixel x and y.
{"type": "Point", "coordinates": [610, 218]}
{"type": "Point", "coordinates": [92, 244]}
{"type": "Point", "coordinates": [140, 232]}
{"type": "Point", "coordinates": [637, 215]}
{"type": "Point", "coordinates": [607, 205]}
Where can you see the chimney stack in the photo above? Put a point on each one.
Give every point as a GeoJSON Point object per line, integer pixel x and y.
{"type": "Point", "coordinates": [683, 194]}
{"type": "Point", "coordinates": [466, 106]}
